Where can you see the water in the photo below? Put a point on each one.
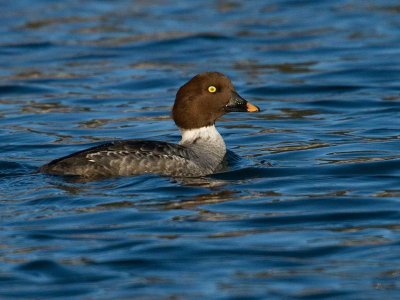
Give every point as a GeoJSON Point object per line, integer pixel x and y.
{"type": "Point", "coordinates": [311, 211]}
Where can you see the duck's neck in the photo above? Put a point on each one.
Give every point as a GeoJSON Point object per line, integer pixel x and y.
{"type": "Point", "coordinates": [207, 136]}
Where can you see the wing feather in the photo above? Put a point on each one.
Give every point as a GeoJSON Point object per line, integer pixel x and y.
{"type": "Point", "coordinates": [127, 157]}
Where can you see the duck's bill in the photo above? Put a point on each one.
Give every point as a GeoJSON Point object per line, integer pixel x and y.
{"type": "Point", "coordinates": [237, 103]}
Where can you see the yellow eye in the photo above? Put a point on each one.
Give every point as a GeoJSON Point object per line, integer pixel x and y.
{"type": "Point", "coordinates": [212, 89]}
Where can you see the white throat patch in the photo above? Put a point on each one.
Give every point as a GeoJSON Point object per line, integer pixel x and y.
{"type": "Point", "coordinates": [203, 135]}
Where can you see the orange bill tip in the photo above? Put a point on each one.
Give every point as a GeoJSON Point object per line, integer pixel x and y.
{"type": "Point", "coordinates": [251, 107]}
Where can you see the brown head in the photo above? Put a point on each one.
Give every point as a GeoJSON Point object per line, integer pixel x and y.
{"type": "Point", "coordinates": [206, 97]}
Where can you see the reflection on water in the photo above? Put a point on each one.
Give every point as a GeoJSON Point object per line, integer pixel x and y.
{"type": "Point", "coordinates": [308, 206]}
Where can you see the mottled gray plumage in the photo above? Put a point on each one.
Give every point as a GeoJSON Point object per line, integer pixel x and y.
{"type": "Point", "coordinates": [131, 157]}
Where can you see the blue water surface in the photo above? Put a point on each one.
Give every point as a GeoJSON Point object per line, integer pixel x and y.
{"type": "Point", "coordinates": [311, 211]}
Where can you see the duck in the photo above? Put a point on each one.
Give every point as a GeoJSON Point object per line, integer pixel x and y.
{"type": "Point", "coordinates": [199, 103]}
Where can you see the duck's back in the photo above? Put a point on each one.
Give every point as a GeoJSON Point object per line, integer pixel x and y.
{"type": "Point", "coordinates": [129, 157]}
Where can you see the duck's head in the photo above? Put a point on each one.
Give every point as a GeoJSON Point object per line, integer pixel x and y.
{"type": "Point", "coordinates": [205, 98]}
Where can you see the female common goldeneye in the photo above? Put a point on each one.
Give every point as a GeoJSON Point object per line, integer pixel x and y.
{"type": "Point", "coordinates": [198, 104]}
